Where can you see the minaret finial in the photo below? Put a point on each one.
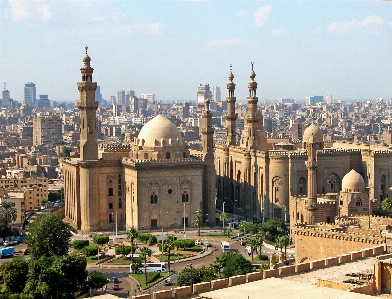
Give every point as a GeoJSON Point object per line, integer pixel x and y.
{"type": "Point", "coordinates": [231, 67]}
{"type": "Point", "coordinates": [252, 65]}
{"type": "Point", "coordinates": [86, 49]}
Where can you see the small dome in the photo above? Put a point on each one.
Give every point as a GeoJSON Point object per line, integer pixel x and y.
{"type": "Point", "coordinates": [353, 181]}
{"type": "Point", "coordinates": [157, 129]}
{"type": "Point", "coordinates": [86, 58]}
{"type": "Point", "coordinates": [314, 130]}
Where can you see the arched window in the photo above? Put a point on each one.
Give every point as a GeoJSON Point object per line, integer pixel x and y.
{"type": "Point", "coordinates": [154, 198]}
{"type": "Point", "coordinates": [359, 203]}
{"type": "Point", "coordinates": [167, 155]}
{"type": "Point", "coordinates": [185, 196]}
{"type": "Point", "coordinates": [110, 206]}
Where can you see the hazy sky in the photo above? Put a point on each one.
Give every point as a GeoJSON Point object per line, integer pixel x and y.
{"type": "Point", "coordinates": [299, 48]}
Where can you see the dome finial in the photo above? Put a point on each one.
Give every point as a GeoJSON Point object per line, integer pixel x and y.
{"type": "Point", "coordinates": [86, 49]}
{"type": "Point", "coordinates": [252, 65]}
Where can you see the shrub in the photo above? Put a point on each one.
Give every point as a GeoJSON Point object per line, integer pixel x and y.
{"type": "Point", "coordinates": [90, 250]}
{"type": "Point", "coordinates": [146, 237]}
{"type": "Point", "coordinates": [79, 244]}
{"type": "Point", "coordinates": [101, 239]}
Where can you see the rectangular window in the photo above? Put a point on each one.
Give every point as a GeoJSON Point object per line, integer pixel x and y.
{"type": "Point", "coordinates": [110, 218]}
{"type": "Point", "coordinates": [110, 192]}
{"type": "Point", "coordinates": [119, 205]}
{"type": "Point", "coordinates": [119, 193]}
{"type": "Point", "coordinates": [154, 223]}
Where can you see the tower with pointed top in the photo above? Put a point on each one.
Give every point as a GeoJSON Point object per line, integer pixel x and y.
{"type": "Point", "coordinates": [311, 165]}
{"type": "Point", "coordinates": [231, 115]}
{"type": "Point", "coordinates": [87, 109]}
{"type": "Point", "coordinates": [207, 133]}
{"type": "Point", "coordinates": [253, 136]}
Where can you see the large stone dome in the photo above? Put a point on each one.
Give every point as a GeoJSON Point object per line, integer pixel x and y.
{"type": "Point", "coordinates": [353, 182]}
{"type": "Point", "coordinates": [157, 129]}
{"type": "Point", "coordinates": [314, 130]}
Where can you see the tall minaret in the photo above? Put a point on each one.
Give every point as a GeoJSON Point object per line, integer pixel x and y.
{"type": "Point", "coordinates": [207, 133]}
{"type": "Point", "coordinates": [311, 165]}
{"type": "Point", "coordinates": [87, 109]}
{"type": "Point", "coordinates": [231, 116]}
{"type": "Point", "coordinates": [253, 136]}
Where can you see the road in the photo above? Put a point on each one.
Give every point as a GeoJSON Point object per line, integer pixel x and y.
{"type": "Point", "coordinates": [128, 284]}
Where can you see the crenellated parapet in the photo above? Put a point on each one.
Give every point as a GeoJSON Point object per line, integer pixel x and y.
{"type": "Point", "coordinates": [338, 235]}
{"type": "Point", "coordinates": [336, 151]}
{"type": "Point", "coordinates": [115, 147]}
{"type": "Point", "coordinates": [176, 161]}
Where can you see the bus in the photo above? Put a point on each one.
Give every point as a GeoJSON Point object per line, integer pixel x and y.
{"type": "Point", "coordinates": [225, 246]}
{"type": "Point", "coordinates": [150, 267]}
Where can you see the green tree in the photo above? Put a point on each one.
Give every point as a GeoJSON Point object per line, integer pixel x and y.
{"type": "Point", "coordinates": [136, 264]}
{"type": "Point", "coordinates": [386, 205]}
{"type": "Point", "coordinates": [145, 252]}
{"type": "Point", "coordinates": [223, 217]}
{"type": "Point", "coordinates": [197, 215]}
{"type": "Point", "coordinates": [236, 265]}
{"type": "Point", "coordinates": [253, 244]}
{"type": "Point", "coordinates": [168, 247]}
{"type": "Point", "coordinates": [14, 275]}
{"type": "Point", "coordinates": [188, 277]}
{"type": "Point", "coordinates": [56, 276]}
{"type": "Point", "coordinates": [260, 239]}
{"type": "Point", "coordinates": [52, 196]}
{"type": "Point", "coordinates": [273, 228]}
{"type": "Point", "coordinates": [96, 280]}
{"type": "Point", "coordinates": [132, 234]}
{"type": "Point", "coordinates": [7, 212]}
{"type": "Point", "coordinates": [101, 239]}
{"type": "Point", "coordinates": [123, 250]}
{"type": "Point", "coordinates": [228, 231]}
{"type": "Point", "coordinates": [243, 227]}
{"type": "Point", "coordinates": [282, 241]}
{"type": "Point", "coordinates": [207, 273]}
{"type": "Point", "coordinates": [48, 235]}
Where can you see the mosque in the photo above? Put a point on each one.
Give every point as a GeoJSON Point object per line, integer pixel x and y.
{"type": "Point", "coordinates": [152, 184]}
{"type": "Point", "coordinates": [158, 182]}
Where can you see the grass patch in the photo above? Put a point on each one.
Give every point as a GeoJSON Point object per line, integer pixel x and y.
{"type": "Point", "coordinates": [121, 261]}
{"type": "Point", "coordinates": [261, 258]}
{"type": "Point", "coordinates": [163, 258]}
{"type": "Point", "coordinates": [151, 278]}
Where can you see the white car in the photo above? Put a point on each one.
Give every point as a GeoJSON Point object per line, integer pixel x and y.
{"type": "Point", "coordinates": [197, 242]}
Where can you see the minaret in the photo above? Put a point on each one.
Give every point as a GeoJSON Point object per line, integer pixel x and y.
{"type": "Point", "coordinates": [311, 165]}
{"type": "Point", "coordinates": [207, 133]}
{"type": "Point", "coordinates": [87, 109]}
{"type": "Point", "coordinates": [253, 136]}
{"type": "Point", "coordinates": [231, 116]}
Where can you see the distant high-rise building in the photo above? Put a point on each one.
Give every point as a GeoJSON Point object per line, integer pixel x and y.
{"type": "Point", "coordinates": [30, 94]}
{"type": "Point", "coordinates": [203, 93]}
{"type": "Point", "coordinates": [121, 97]}
{"type": "Point", "coordinates": [98, 95]}
{"type": "Point", "coordinates": [216, 93]}
{"type": "Point", "coordinates": [6, 97]}
{"type": "Point", "coordinates": [47, 129]}
{"type": "Point", "coordinates": [329, 99]}
{"type": "Point", "coordinates": [43, 101]}
{"type": "Point", "coordinates": [314, 100]}
{"type": "Point", "coordinates": [128, 96]}
{"type": "Point", "coordinates": [150, 98]}
{"type": "Point", "coordinates": [112, 100]}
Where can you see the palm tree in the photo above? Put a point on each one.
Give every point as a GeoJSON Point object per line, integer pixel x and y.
{"type": "Point", "coordinates": [132, 235]}
{"type": "Point", "coordinates": [282, 241]}
{"type": "Point", "coordinates": [260, 238]}
{"type": "Point", "coordinates": [386, 205]}
{"type": "Point", "coordinates": [197, 215]}
{"type": "Point", "coordinates": [252, 242]}
{"type": "Point", "coordinates": [7, 213]}
{"type": "Point", "coordinates": [223, 217]}
{"type": "Point", "coordinates": [168, 247]}
{"type": "Point", "coordinates": [243, 227]}
{"type": "Point", "coordinates": [144, 253]}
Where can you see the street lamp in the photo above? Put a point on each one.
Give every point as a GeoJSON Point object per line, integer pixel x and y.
{"type": "Point", "coordinates": [223, 211]}
{"type": "Point", "coordinates": [205, 223]}
{"type": "Point", "coordinates": [184, 220]}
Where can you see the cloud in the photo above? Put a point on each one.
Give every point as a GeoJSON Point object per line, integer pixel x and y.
{"type": "Point", "coordinates": [221, 43]}
{"type": "Point", "coordinates": [261, 15]}
{"type": "Point", "coordinates": [29, 10]}
{"type": "Point", "coordinates": [371, 24]}
{"type": "Point", "coordinates": [277, 31]}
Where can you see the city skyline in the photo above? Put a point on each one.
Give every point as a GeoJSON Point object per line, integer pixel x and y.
{"type": "Point", "coordinates": [168, 48]}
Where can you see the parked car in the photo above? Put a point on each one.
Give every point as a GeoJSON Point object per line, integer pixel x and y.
{"type": "Point", "coordinates": [116, 286]}
{"type": "Point", "coordinates": [6, 243]}
{"type": "Point", "coordinates": [115, 280]}
{"type": "Point", "coordinates": [168, 282]}
{"type": "Point", "coordinates": [198, 243]}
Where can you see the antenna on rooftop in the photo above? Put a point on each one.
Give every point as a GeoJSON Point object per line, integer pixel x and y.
{"type": "Point", "coordinates": [5, 85]}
